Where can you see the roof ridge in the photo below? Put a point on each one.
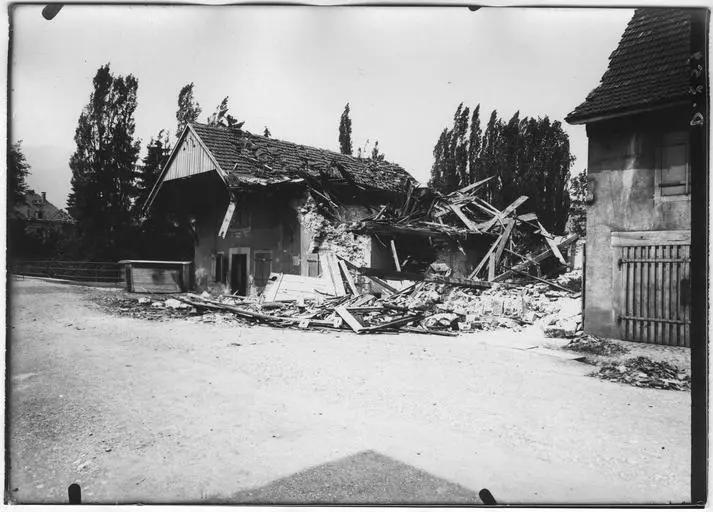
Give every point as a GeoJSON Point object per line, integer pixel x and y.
{"type": "Point", "coordinates": [234, 131]}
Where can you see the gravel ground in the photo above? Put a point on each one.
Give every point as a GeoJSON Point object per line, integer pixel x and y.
{"type": "Point", "coordinates": [182, 411]}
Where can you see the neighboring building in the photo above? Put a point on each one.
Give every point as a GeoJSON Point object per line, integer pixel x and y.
{"type": "Point", "coordinates": [40, 218]}
{"type": "Point", "coordinates": [639, 215]}
{"type": "Point", "coordinates": [252, 203]}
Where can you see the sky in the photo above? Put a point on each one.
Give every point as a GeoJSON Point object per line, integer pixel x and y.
{"type": "Point", "coordinates": [403, 70]}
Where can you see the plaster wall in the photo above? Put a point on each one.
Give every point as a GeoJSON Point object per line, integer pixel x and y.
{"type": "Point", "coordinates": [622, 166]}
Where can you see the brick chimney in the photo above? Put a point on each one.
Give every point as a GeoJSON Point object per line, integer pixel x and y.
{"type": "Point", "coordinates": [44, 197]}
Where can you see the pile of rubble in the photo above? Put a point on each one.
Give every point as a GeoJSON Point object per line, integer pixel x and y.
{"type": "Point", "coordinates": [594, 345]}
{"type": "Point", "coordinates": [645, 373]}
{"type": "Point", "coordinates": [425, 307]}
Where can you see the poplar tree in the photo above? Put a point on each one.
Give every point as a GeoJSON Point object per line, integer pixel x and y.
{"type": "Point", "coordinates": [475, 170]}
{"type": "Point", "coordinates": [188, 109]}
{"type": "Point", "coordinates": [345, 132]}
{"type": "Point", "coordinates": [104, 166]}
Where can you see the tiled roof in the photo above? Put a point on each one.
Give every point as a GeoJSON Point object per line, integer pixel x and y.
{"type": "Point", "coordinates": [37, 208]}
{"type": "Point", "coordinates": [648, 68]}
{"type": "Point", "coordinates": [252, 159]}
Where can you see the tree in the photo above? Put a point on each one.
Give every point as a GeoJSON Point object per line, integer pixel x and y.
{"type": "Point", "coordinates": [266, 133]}
{"type": "Point", "coordinates": [578, 203]}
{"type": "Point", "coordinates": [439, 162]}
{"type": "Point", "coordinates": [17, 171]}
{"type": "Point", "coordinates": [458, 174]}
{"type": "Point", "coordinates": [221, 117]}
{"type": "Point", "coordinates": [157, 152]}
{"type": "Point", "coordinates": [345, 132]}
{"type": "Point", "coordinates": [103, 166]}
{"type": "Point", "coordinates": [475, 169]}
{"type": "Point", "coordinates": [188, 109]}
{"type": "Point", "coordinates": [376, 155]}
{"type": "Point", "coordinates": [527, 156]}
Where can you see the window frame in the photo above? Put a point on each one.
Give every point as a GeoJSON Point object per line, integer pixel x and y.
{"type": "Point", "coordinates": [669, 140]}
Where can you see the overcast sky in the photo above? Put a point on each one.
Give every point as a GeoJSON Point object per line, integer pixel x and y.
{"type": "Point", "coordinates": [403, 70]}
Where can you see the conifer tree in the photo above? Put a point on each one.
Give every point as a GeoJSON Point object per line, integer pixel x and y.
{"type": "Point", "coordinates": [17, 171]}
{"type": "Point", "coordinates": [345, 132]}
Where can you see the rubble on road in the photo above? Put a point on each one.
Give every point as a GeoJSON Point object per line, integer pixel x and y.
{"type": "Point", "coordinates": [645, 373]}
{"type": "Point", "coordinates": [589, 344]}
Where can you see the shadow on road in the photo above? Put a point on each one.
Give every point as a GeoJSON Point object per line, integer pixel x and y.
{"type": "Point", "coordinates": [364, 478]}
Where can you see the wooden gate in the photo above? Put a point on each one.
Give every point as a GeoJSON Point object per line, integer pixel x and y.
{"type": "Point", "coordinates": [654, 306]}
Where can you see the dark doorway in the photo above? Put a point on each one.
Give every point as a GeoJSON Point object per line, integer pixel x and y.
{"type": "Point", "coordinates": [239, 274]}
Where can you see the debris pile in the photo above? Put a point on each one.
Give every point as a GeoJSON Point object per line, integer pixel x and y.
{"type": "Point", "coordinates": [596, 346]}
{"type": "Point", "coordinates": [461, 217]}
{"type": "Point", "coordinates": [644, 373]}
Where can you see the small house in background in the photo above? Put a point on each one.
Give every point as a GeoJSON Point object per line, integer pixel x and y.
{"type": "Point", "coordinates": [262, 207]}
{"type": "Point", "coordinates": [37, 229]}
{"type": "Point", "coordinates": [40, 217]}
{"type": "Point", "coordinates": [638, 121]}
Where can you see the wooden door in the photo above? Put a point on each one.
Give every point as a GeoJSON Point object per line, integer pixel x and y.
{"type": "Point", "coordinates": [655, 294]}
{"type": "Point", "coordinates": [239, 274]}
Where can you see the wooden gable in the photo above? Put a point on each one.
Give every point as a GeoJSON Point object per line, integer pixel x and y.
{"type": "Point", "coordinates": [190, 157]}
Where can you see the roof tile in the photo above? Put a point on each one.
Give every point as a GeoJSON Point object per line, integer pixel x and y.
{"type": "Point", "coordinates": [648, 68]}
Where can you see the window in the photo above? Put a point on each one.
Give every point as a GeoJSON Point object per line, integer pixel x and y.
{"type": "Point", "coordinates": [263, 267]}
{"type": "Point", "coordinates": [674, 174]}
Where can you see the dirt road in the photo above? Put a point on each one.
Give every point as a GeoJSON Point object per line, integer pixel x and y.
{"type": "Point", "coordinates": [179, 411]}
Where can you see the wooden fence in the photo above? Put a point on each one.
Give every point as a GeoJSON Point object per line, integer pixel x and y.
{"type": "Point", "coordinates": [102, 272]}
{"type": "Point", "coordinates": [655, 294]}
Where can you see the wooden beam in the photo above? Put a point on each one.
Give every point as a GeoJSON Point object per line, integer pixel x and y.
{"type": "Point", "coordinates": [348, 277]}
{"type": "Point", "coordinates": [485, 259]}
{"type": "Point", "coordinates": [472, 187]}
{"type": "Point", "coordinates": [536, 259]}
{"type": "Point", "coordinates": [500, 217]}
{"type": "Point", "coordinates": [503, 239]}
{"type": "Point", "coordinates": [395, 255]}
{"type": "Point", "coordinates": [349, 319]}
{"type": "Point", "coordinates": [550, 283]}
{"type": "Point", "coordinates": [469, 223]}
{"type": "Point", "coordinates": [551, 242]}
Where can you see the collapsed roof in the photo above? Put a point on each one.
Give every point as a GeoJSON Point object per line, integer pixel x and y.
{"type": "Point", "coordinates": [648, 69]}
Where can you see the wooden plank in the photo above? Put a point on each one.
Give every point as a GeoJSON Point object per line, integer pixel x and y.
{"type": "Point", "coordinates": [330, 264]}
{"type": "Point", "coordinates": [226, 220]}
{"type": "Point", "coordinates": [550, 283]}
{"type": "Point", "coordinates": [397, 322]}
{"type": "Point", "coordinates": [485, 259]}
{"type": "Point", "coordinates": [501, 216]}
{"type": "Point", "coordinates": [348, 277]}
{"type": "Point", "coordinates": [349, 319]}
{"type": "Point", "coordinates": [468, 223]}
{"type": "Point", "coordinates": [551, 242]}
{"type": "Point", "coordinates": [666, 294]}
{"type": "Point", "coordinates": [501, 242]}
{"type": "Point", "coordinates": [397, 265]}
{"type": "Point", "coordinates": [472, 187]}
{"type": "Point", "coordinates": [527, 217]}
{"type": "Point", "coordinates": [640, 238]}
{"type": "Point", "coordinates": [272, 288]}
{"type": "Point", "coordinates": [491, 266]}
{"type": "Point", "coordinates": [537, 258]}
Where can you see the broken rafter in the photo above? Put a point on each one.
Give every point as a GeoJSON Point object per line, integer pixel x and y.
{"type": "Point", "coordinates": [536, 259]}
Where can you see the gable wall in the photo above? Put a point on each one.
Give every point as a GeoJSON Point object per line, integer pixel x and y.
{"type": "Point", "coordinates": [190, 159]}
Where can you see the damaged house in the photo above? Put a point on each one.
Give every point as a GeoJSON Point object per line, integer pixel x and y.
{"type": "Point", "coordinates": [261, 207]}
{"type": "Point", "coordinates": [638, 122]}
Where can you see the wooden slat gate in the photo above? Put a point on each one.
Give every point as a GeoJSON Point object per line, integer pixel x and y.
{"type": "Point", "coordinates": [654, 306]}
